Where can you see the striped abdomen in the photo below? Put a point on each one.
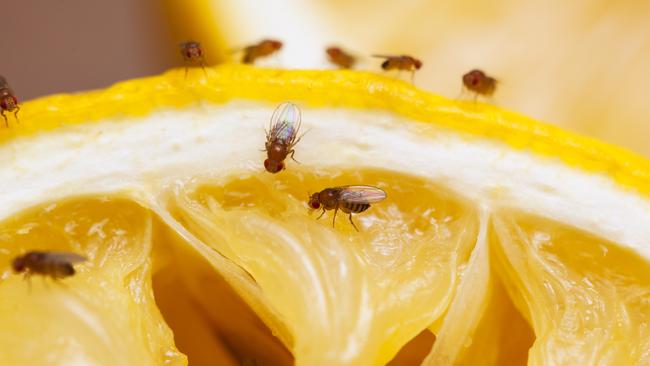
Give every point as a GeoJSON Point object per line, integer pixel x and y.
{"type": "Point", "coordinates": [53, 269]}
{"type": "Point", "coordinates": [350, 207]}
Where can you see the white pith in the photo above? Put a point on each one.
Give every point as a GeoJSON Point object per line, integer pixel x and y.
{"type": "Point", "coordinates": [145, 156]}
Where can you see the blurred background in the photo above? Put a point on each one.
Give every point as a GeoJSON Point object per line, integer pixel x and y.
{"type": "Point", "coordinates": [581, 64]}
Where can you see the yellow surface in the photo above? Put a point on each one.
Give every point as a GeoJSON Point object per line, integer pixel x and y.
{"type": "Point", "coordinates": [579, 65]}
{"type": "Point", "coordinates": [332, 88]}
{"type": "Point", "coordinates": [104, 315]}
{"type": "Point", "coordinates": [417, 262]}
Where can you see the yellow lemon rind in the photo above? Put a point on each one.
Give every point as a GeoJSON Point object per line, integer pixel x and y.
{"type": "Point", "coordinates": [331, 88]}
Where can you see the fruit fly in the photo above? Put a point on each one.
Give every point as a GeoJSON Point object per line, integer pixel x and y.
{"type": "Point", "coordinates": [340, 58]}
{"type": "Point", "coordinates": [282, 136]}
{"type": "Point", "coordinates": [479, 83]}
{"type": "Point", "coordinates": [8, 101]}
{"type": "Point", "coordinates": [54, 264]}
{"type": "Point", "coordinates": [193, 54]}
{"type": "Point", "coordinates": [402, 63]}
{"type": "Point", "coordinates": [262, 49]}
{"type": "Point", "coordinates": [349, 199]}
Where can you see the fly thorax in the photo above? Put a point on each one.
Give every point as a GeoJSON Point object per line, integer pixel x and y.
{"type": "Point", "coordinates": [328, 198]}
{"type": "Point", "coordinates": [277, 151]}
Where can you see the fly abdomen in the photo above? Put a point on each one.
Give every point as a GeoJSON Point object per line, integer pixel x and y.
{"type": "Point", "coordinates": [58, 270]}
{"type": "Point", "coordinates": [354, 207]}
{"type": "Point", "coordinates": [65, 270]}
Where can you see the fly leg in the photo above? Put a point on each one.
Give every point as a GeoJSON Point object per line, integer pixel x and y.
{"type": "Point", "coordinates": [352, 222]}
{"type": "Point", "coordinates": [28, 278]}
{"type": "Point", "coordinates": [266, 144]}
{"type": "Point", "coordinates": [334, 218]}
{"type": "Point", "coordinates": [413, 77]}
{"type": "Point", "coordinates": [292, 158]}
{"type": "Point", "coordinates": [5, 117]}
{"type": "Point", "coordinates": [461, 93]}
{"type": "Point", "coordinates": [321, 214]}
{"type": "Point", "coordinates": [16, 114]}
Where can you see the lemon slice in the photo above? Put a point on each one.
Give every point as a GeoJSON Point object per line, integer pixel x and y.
{"type": "Point", "coordinates": [501, 241]}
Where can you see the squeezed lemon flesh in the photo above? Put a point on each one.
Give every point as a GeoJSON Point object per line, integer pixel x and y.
{"type": "Point", "coordinates": [587, 299]}
{"type": "Point", "coordinates": [339, 285]}
{"type": "Point", "coordinates": [509, 290]}
{"type": "Point", "coordinates": [103, 315]}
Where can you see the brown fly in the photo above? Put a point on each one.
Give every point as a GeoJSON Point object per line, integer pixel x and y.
{"type": "Point", "coordinates": [340, 58]}
{"type": "Point", "coordinates": [282, 136]}
{"type": "Point", "coordinates": [349, 199]}
{"type": "Point", "coordinates": [402, 63]}
{"type": "Point", "coordinates": [8, 101]}
{"type": "Point", "coordinates": [56, 265]}
{"type": "Point", "coordinates": [480, 83]}
{"type": "Point", "coordinates": [262, 49]}
{"type": "Point", "coordinates": [193, 54]}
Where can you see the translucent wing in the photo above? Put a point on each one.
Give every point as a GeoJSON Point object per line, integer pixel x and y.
{"type": "Point", "coordinates": [383, 56]}
{"type": "Point", "coordinates": [66, 257]}
{"type": "Point", "coordinates": [285, 123]}
{"type": "Point", "coordinates": [361, 194]}
{"type": "Point", "coordinates": [189, 44]}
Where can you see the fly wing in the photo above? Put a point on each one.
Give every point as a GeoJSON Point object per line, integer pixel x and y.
{"type": "Point", "coordinates": [189, 44]}
{"type": "Point", "coordinates": [383, 56]}
{"type": "Point", "coordinates": [61, 257]}
{"type": "Point", "coordinates": [361, 194]}
{"type": "Point", "coordinates": [285, 123]}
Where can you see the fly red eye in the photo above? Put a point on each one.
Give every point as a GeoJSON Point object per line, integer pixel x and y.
{"type": "Point", "coordinates": [280, 166]}
{"type": "Point", "coordinates": [188, 53]}
{"type": "Point", "coordinates": [313, 204]}
{"type": "Point", "coordinates": [18, 264]}
{"type": "Point", "coordinates": [266, 163]}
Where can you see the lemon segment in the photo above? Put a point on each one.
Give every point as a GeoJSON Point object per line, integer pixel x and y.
{"type": "Point", "coordinates": [389, 273]}
{"type": "Point", "coordinates": [586, 298]}
{"type": "Point", "coordinates": [106, 313]}
{"type": "Point", "coordinates": [471, 300]}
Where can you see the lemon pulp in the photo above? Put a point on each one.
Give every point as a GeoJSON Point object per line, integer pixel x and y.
{"type": "Point", "coordinates": [367, 294]}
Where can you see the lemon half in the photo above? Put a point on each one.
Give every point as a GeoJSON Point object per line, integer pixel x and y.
{"type": "Point", "coordinates": [502, 240]}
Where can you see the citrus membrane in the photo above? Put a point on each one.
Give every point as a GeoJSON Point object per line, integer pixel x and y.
{"type": "Point", "coordinates": [500, 236]}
